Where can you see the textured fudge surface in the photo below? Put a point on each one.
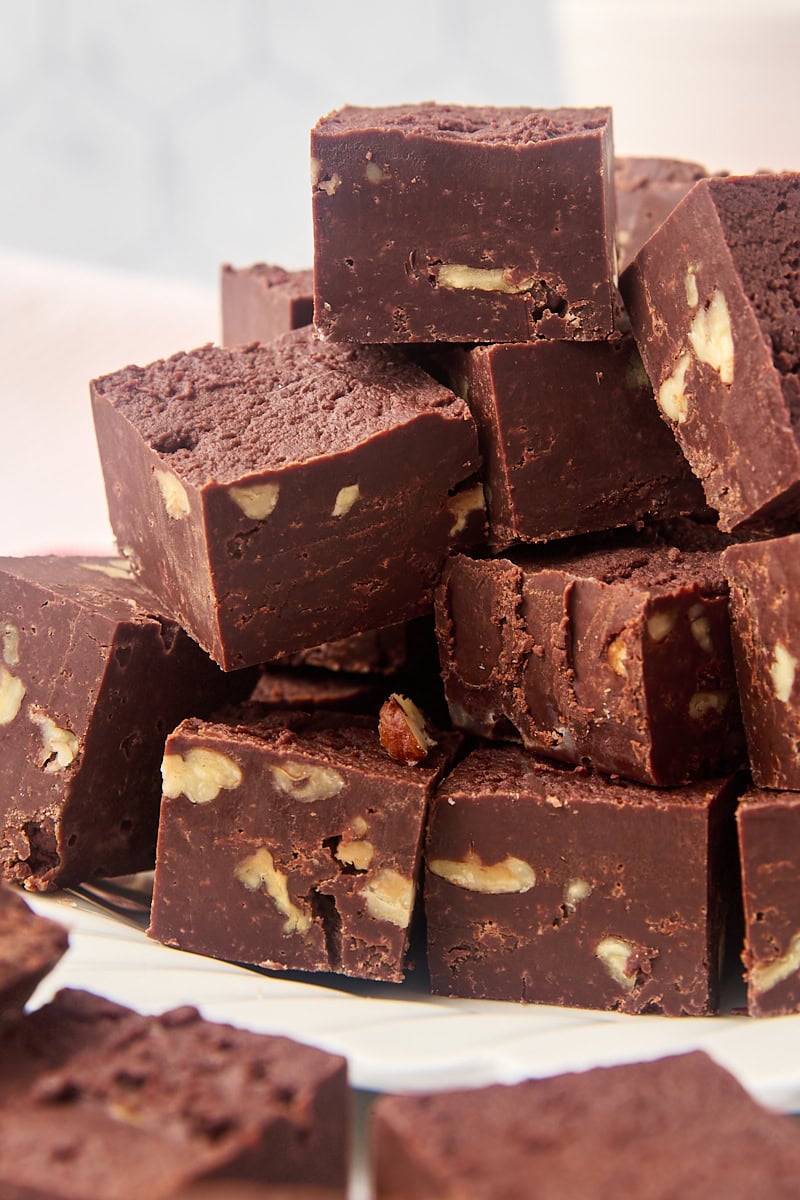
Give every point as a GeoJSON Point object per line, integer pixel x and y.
{"type": "Point", "coordinates": [290, 402]}
{"type": "Point", "coordinates": [764, 580]}
{"type": "Point", "coordinates": [572, 440]}
{"type": "Point", "coordinates": [676, 1127]}
{"type": "Point", "coordinates": [291, 842]}
{"type": "Point", "coordinates": [30, 946]}
{"type": "Point", "coordinates": [144, 1105]}
{"type": "Point", "coordinates": [619, 656]}
{"type": "Point", "coordinates": [261, 302]}
{"type": "Point", "coordinates": [440, 223]}
{"type": "Point", "coordinates": [720, 345]}
{"type": "Point", "coordinates": [282, 496]}
{"type": "Point", "coordinates": [647, 190]}
{"type": "Point", "coordinates": [82, 728]}
{"type": "Point", "coordinates": [553, 885]}
{"type": "Point", "coordinates": [769, 843]}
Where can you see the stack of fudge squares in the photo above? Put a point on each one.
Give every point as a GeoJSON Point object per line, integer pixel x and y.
{"type": "Point", "coordinates": [592, 488]}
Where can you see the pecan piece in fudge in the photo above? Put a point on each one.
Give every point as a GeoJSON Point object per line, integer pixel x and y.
{"type": "Point", "coordinates": [553, 885]}
{"type": "Point", "coordinates": [441, 223]}
{"type": "Point", "coordinates": [618, 656]}
{"type": "Point", "coordinates": [91, 682]}
{"type": "Point", "coordinates": [714, 304]}
{"type": "Point", "coordinates": [261, 302]}
{"type": "Point", "coordinates": [291, 842]}
{"type": "Point", "coordinates": [277, 497]}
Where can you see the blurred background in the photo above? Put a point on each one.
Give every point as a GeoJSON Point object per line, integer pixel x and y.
{"type": "Point", "coordinates": [167, 135]}
{"type": "Point", "coordinates": [144, 142]}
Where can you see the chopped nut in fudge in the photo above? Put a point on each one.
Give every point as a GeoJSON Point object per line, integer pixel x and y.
{"type": "Point", "coordinates": [277, 497]}
{"type": "Point", "coordinates": [552, 885]}
{"type": "Point", "coordinates": [444, 223]}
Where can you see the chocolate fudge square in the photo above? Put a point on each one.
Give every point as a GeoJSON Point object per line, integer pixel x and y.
{"type": "Point", "coordinates": [618, 656]}
{"type": "Point", "coordinates": [442, 223]}
{"type": "Point", "coordinates": [261, 302]}
{"type": "Point", "coordinates": [647, 190]}
{"type": "Point", "coordinates": [553, 885]}
{"type": "Point", "coordinates": [30, 946]}
{"type": "Point", "coordinates": [676, 1127]}
{"type": "Point", "coordinates": [291, 842]}
{"type": "Point", "coordinates": [769, 847]}
{"type": "Point", "coordinates": [91, 683]}
{"type": "Point", "coordinates": [143, 1106]}
{"type": "Point", "coordinates": [277, 497]}
{"type": "Point", "coordinates": [764, 580]}
{"type": "Point", "coordinates": [571, 439]}
{"type": "Point", "coordinates": [714, 303]}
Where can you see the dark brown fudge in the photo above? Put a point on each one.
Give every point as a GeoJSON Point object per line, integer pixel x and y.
{"type": "Point", "coordinates": [769, 845]}
{"type": "Point", "coordinates": [714, 303]}
{"type": "Point", "coordinates": [30, 946]}
{"type": "Point", "coordinates": [441, 223]}
{"type": "Point", "coordinates": [371, 652]}
{"type": "Point", "coordinates": [571, 439]}
{"type": "Point", "coordinates": [647, 190]}
{"type": "Point", "coordinates": [620, 656]}
{"type": "Point", "coordinates": [302, 840]}
{"type": "Point", "coordinates": [764, 580]}
{"type": "Point", "coordinates": [91, 682]}
{"type": "Point", "coordinates": [549, 884]}
{"type": "Point", "coordinates": [675, 1127]}
{"type": "Point", "coordinates": [277, 497]}
{"type": "Point", "coordinates": [143, 1106]}
{"type": "Point", "coordinates": [261, 302]}
{"type": "Point", "coordinates": [295, 687]}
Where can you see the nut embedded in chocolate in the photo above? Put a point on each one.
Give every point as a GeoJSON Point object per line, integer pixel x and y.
{"type": "Point", "coordinates": [402, 732]}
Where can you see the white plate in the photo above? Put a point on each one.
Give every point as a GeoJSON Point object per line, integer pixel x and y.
{"type": "Point", "coordinates": [397, 1038]}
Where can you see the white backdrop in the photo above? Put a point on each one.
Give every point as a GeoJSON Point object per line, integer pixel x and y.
{"type": "Point", "coordinates": [167, 135]}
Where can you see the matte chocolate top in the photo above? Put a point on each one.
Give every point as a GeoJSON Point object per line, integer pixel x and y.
{"type": "Point", "coordinates": [452, 122]}
{"type": "Point", "coordinates": [290, 401]}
